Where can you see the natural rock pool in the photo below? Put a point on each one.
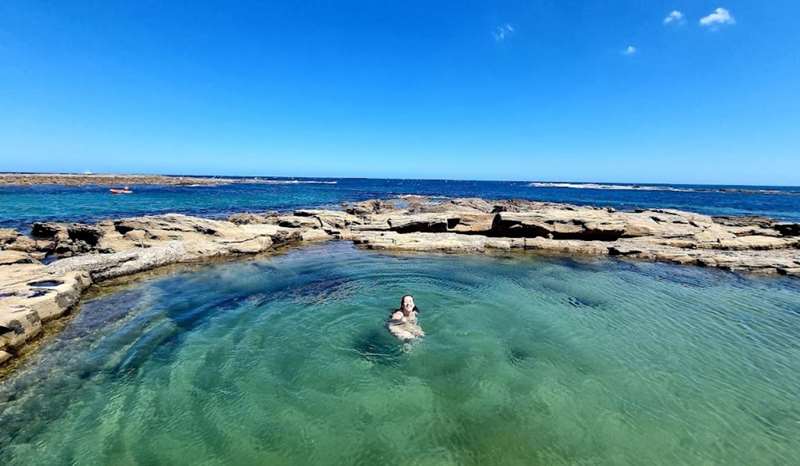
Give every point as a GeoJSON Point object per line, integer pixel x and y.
{"type": "Point", "coordinates": [527, 360]}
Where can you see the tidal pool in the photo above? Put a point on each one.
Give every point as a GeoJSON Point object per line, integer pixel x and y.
{"type": "Point", "coordinates": [284, 360]}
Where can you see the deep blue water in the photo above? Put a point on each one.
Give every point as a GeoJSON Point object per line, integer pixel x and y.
{"type": "Point", "coordinates": [19, 206]}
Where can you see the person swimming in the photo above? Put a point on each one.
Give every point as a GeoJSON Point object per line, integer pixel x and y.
{"type": "Point", "coordinates": [403, 322]}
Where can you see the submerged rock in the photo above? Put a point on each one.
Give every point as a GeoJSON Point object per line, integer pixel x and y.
{"type": "Point", "coordinates": [32, 292]}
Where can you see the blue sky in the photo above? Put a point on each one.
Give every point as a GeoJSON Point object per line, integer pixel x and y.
{"type": "Point", "coordinates": [521, 90]}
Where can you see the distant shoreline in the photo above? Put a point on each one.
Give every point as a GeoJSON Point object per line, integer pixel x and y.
{"type": "Point", "coordinates": [75, 179]}
{"type": "Point", "coordinates": [113, 179]}
{"type": "Point", "coordinates": [110, 179]}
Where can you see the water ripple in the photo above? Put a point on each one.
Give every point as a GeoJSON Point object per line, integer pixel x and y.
{"type": "Point", "coordinates": [526, 360]}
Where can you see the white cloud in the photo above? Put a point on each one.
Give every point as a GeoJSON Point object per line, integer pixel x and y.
{"type": "Point", "coordinates": [674, 16]}
{"type": "Point", "coordinates": [502, 32]}
{"type": "Point", "coordinates": [629, 50]}
{"type": "Point", "coordinates": [718, 17]}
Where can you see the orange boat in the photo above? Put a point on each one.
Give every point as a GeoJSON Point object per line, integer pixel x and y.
{"type": "Point", "coordinates": [124, 190]}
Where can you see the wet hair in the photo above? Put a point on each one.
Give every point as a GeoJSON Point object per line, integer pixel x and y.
{"type": "Point", "coordinates": [416, 309]}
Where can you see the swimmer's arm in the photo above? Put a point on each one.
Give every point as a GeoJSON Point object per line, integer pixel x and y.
{"type": "Point", "coordinates": [397, 317]}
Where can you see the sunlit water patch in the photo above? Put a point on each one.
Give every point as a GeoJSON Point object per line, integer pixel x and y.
{"type": "Point", "coordinates": [285, 360]}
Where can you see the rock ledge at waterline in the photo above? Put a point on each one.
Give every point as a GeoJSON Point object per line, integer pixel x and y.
{"type": "Point", "coordinates": [32, 292]}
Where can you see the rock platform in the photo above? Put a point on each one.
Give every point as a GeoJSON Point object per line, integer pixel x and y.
{"type": "Point", "coordinates": [42, 276]}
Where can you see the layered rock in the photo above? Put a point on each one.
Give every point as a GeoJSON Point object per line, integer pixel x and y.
{"type": "Point", "coordinates": [32, 292]}
{"type": "Point", "coordinates": [30, 296]}
{"type": "Point", "coordinates": [42, 276]}
{"type": "Point", "coordinates": [753, 244]}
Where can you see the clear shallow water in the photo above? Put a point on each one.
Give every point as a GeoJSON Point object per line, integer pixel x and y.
{"type": "Point", "coordinates": [19, 206]}
{"type": "Point", "coordinates": [528, 360]}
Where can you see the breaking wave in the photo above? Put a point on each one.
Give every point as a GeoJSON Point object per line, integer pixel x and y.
{"type": "Point", "coordinates": [637, 187]}
{"type": "Point", "coordinates": [260, 181]}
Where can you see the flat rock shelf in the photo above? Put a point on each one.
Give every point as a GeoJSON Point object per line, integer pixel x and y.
{"type": "Point", "coordinates": [42, 276]}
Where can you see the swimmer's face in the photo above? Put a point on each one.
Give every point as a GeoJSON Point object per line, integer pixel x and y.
{"type": "Point", "coordinates": [408, 304]}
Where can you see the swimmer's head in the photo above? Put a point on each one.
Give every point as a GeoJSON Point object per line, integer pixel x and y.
{"type": "Point", "coordinates": [407, 304]}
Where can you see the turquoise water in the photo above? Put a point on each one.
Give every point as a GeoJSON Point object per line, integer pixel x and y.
{"type": "Point", "coordinates": [527, 360]}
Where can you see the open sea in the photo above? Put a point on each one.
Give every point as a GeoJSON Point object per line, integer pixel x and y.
{"type": "Point", "coordinates": [527, 360]}
{"type": "Point", "coordinates": [19, 206]}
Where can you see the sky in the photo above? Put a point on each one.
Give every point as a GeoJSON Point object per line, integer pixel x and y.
{"type": "Point", "coordinates": [683, 91]}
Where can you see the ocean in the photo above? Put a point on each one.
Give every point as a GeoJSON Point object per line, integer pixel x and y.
{"type": "Point", "coordinates": [285, 360]}
{"type": "Point", "coordinates": [21, 205]}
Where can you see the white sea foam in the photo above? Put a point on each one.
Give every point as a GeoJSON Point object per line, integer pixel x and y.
{"type": "Point", "coordinates": [623, 187]}
{"type": "Point", "coordinates": [637, 187]}
{"type": "Point", "coordinates": [260, 181]}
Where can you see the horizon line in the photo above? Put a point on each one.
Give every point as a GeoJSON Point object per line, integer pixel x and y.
{"type": "Point", "coordinates": [638, 183]}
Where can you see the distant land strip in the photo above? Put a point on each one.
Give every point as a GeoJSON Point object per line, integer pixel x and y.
{"type": "Point", "coordinates": [69, 179]}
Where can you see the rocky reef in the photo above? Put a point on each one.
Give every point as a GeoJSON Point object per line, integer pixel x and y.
{"type": "Point", "coordinates": [753, 244]}
{"type": "Point", "coordinates": [43, 275]}
{"type": "Point", "coordinates": [69, 179]}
